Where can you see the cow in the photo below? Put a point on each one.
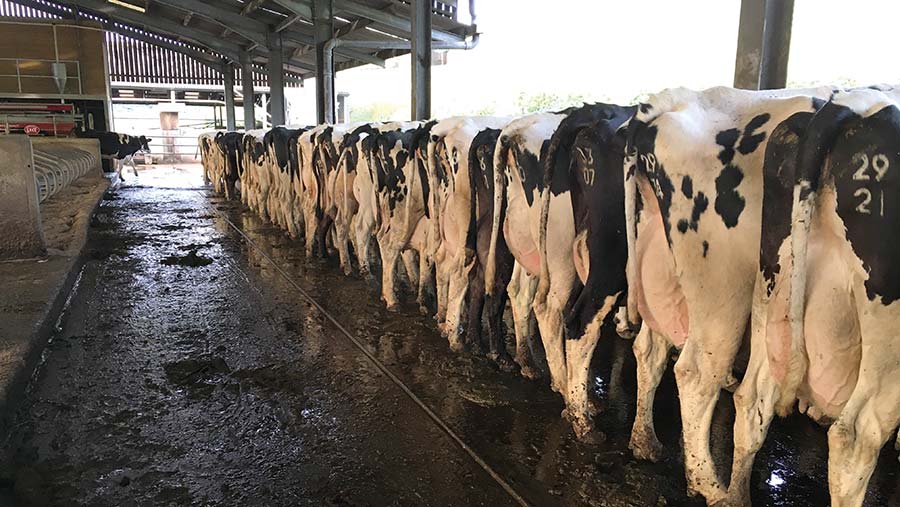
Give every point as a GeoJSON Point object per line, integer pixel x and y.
{"type": "Point", "coordinates": [451, 204]}
{"type": "Point", "coordinates": [229, 144]}
{"type": "Point", "coordinates": [330, 160]}
{"type": "Point", "coordinates": [311, 189]}
{"type": "Point", "coordinates": [826, 304]}
{"type": "Point", "coordinates": [586, 278]}
{"type": "Point", "coordinates": [209, 155]}
{"type": "Point", "coordinates": [518, 187]}
{"type": "Point", "coordinates": [283, 166]}
{"type": "Point", "coordinates": [693, 199]}
{"type": "Point", "coordinates": [354, 197]}
{"type": "Point", "coordinates": [119, 147]}
{"type": "Point", "coordinates": [402, 188]}
{"type": "Point", "coordinates": [256, 181]}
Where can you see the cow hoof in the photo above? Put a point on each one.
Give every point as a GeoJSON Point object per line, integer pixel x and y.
{"type": "Point", "coordinates": [593, 437]}
{"type": "Point", "coordinates": [505, 363]}
{"type": "Point", "coordinates": [733, 500]}
{"type": "Point", "coordinates": [646, 448]}
{"type": "Point", "coordinates": [423, 309]}
{"type": "Point", "coordinates": [530, 373]}
{"type": "Point", "coordinates": [456, 346]}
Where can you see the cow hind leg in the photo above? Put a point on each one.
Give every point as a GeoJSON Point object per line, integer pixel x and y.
{"type": "Point", "coordinates": [521, 289]}
{"type": "Point", "coordinates": [651, 351]}
{"type": "Point", "coordinates": [411, 265]}
{"type": "Point", "coordinates": [754, 407]}
{"type": "Point", "coordinates": [700, 377]}
{"type": "Point", "coordinates": [866, 423]}
{"type": "Point", "coordinates": [426, 283]}
{"type": "Point", "coordinates": [389, 258]}
{"type": "Point", "coordinates": [578, 362]}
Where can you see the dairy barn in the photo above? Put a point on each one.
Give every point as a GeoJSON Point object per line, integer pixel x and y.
{"type": "Point", "coordinates": [419, 252]}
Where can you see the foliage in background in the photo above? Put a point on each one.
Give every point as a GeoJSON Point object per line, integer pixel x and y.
{"type": "Point", "coordinates": [533, 103]}
{"type": "Point", "coordinates": [377, 111]}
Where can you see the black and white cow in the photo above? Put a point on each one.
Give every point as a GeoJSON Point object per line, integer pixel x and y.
{"type": "Point", "coordinates": [826, 308]}
{"type": "Point", "coordinates": [402, 189]}
{"type": "Point", "coordinates": [210, 156]}
{"type": "Point", "coordinates": [284, 165]}
{"type": "Point", "coordinates": [451, 204]}
{"type": "Point", "coordinates": [229, 144]}
{"type": "Point", "coordinates": [256, 181]}
{"type": "Point", "coordinates": [518, 187]}
{"type": "Point", "coordinates": [119, 147]}
{"type": "Point", "coordinates": [583, 163]}
{"type": "Point", "coordinates": [693, 201]}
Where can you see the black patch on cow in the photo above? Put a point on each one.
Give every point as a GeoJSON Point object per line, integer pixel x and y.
{"type": "Point", "coordinates": [643, 143]}
{"type": "Point", "coordinates": [779, 170]}
{"type": "Point", "coordinates": [869, 201]}
{"type": "Point", "coordinates": [727, 139]}
{"type": "Point", "coordinates": [749, 140]}
{"type": "Point", "coordinates": [645, 108]}
{"type": "Point", "coordinates": [530, 171]}
{"type": "Point", "coordinates": [687, 186]}
{"type": "Point", "coordinates": [683, 226]}
{"type": "Point", "coordinates": [729, 203]}
{"type": "Point", "coordinates": [820, 136]}
{"type": "Point", "coordinates": [705, 248]}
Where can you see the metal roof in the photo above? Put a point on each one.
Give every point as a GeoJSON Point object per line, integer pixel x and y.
{"type": "Point", "coordinates": [214, 29]}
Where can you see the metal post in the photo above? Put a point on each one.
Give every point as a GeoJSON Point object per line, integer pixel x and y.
{"type": "Point", "coordinates": [276, 78]}
{"type": "Point", "coordinates": [228, 76]}
{"type": "Point", "coordinates": [247, 91]}
{"type": "Point", "coordinates": [777, 46]}
{"type": "Point", "coordinates": [323, 29]}
{"type": "Point", "coordinates": [764, 41]}
{"type": "Point", "coordinates": [421, 60]}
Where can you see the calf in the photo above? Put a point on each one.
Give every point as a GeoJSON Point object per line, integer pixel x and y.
{"type": "Point", "coordinates": [826, 304]}
{"type": "Point", "coordinates": [693, 202]}
{"type": "Point", "coordinates": [120, 147]}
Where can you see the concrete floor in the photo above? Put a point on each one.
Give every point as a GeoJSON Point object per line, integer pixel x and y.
{"type": "Point", "coordinates": [190, 371]}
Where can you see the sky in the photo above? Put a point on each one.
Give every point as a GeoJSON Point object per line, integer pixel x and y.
{"type": "Point", "coordinates": [619, 51]}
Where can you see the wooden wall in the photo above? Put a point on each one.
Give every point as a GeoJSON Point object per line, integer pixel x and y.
{"type": "Point", "coordinates": [35, 42]}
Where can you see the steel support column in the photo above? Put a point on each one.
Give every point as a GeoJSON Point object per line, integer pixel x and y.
{"type": "Point", "coordinates": [276, 78]}
{"type": "Point", "coordinates": [247, 91]}
{"type": "Point", "coordinates": [228, 77]}
{"type": "Point", "coordinates": [421, 60]}
{"type": "Point", "coordinates": [764, 43]}
{"type": "Point", "coordinates": [323, 31]}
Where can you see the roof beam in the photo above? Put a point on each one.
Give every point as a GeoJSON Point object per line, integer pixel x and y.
{"type": "Point", "coordinates": [287, 22]}
{"type": "Point", "coordinates": [187, 18]}
{"type": "Point", "coordinates": [157, 24]}
{"type": "Point", "coordinates": [251, 29]}
{"type": "Point", "coordinates": [302, 9]}
{"type": "Point", "coordinates": [201, 57]}
{"type": "Point", "coordinates": [390, 20]}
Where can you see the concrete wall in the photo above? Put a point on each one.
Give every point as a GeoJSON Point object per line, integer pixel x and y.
{"type": "Point", "coordinates": [20, 215]}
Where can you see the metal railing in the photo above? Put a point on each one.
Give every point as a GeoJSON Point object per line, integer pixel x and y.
{"type": "Point", "coordinates": [18, 75]}
{"type": "Point", "coordinates": [56, 166]}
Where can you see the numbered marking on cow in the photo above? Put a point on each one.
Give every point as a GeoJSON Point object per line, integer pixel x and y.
{"type": "Point", "coordinates": [863, 207]}
{"type": "Point", "coordinates": [880, 164]}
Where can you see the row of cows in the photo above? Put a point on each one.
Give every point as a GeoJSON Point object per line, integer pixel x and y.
{"type": "Point", "coordinates": [697, 221]}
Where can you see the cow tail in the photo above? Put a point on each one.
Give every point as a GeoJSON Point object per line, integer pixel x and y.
{"type": "Point", "coordinates": [501, 155]}
{"type": "Point", "coordinates": [821, 133]}
{"type": "Point", "coordinates": [432, 203]}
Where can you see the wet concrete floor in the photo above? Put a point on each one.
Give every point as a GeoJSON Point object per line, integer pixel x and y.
{"type": "Point", "coordinates": [188, 371]}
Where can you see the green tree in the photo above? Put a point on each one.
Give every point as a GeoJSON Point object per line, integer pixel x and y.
{"type": "Point", "coordinates": [376, 111]}
{"type": "Point", "coordinates": [533, 103]}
